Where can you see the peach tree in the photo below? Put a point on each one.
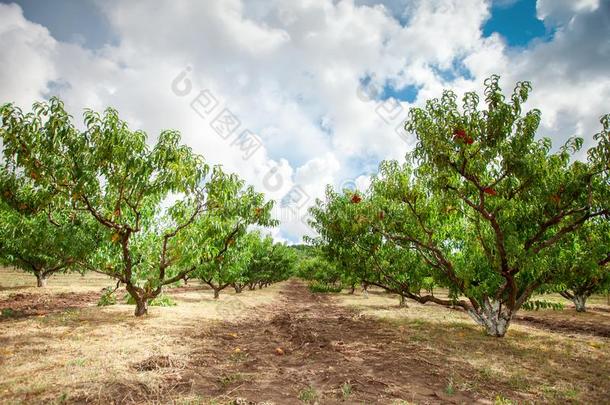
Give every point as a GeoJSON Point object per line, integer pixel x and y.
{"type": "Point", "coordinates": [486, 201]}
{"type": "Point", "coordinates": [141, 198]}
{"type": "Point", "coordinates": [229, 267]}
{"type": "Point", "coordinates": [270, 262]}
{"type": "Point", "coordinates": [480, 201]}
{"type": "Point", "coordinates": [40, 234]}
{"type": "Point", "coordinates": [347, 224]}
{"type": "Point", "coordinates": [42, 240]}
{"type": "Point", "coordinates": [583, 258]}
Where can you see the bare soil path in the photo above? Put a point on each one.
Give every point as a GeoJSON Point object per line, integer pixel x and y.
{"type": "Point", "coordinates": [589, 324]}
{"type": "Point", "coordinates": [284, 345]}
{"type": "Point", "coordinates": [305, 348]}
{"type": "Point", "coordinates": [22, 304]}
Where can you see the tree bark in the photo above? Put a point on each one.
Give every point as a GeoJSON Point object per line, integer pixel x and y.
{"type": "Point", "coordinates": [216, 293]}
{"type": "Point", "coordinates": [141, 306]}
{"type": "Point", "coordinates": [403, 302]}
{"type": "Point", "coordinates": [579, 301]}
{"type": "Point", "coordinates": [493, 316]}
{"type": "Point", "coordinates": [140, 297]}
{"type": "Point", "coordinates": [238, 288]}
{"type": "Point", "coordinates": [41, 279]}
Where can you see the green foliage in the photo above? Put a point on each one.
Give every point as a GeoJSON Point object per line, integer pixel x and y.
{"type": "Point", "coordinates": [501, 400]}
{"type": "Point", "coordinates": [450, 387]}
{"type": "Point", "coordinates": [159, 301]}
{"type": "Point", "coordinates": [480, 207]}
{"type": "Point", "coordinates": [346, 390]}
{"type": "Point", "coordinates": [320, 287]}
{"type": "Point", "coordinates": [162, 301]}
{"type": "Point", "coordinates": [270, 262]}
{"type": "Point", "coordinates": [251, 260]}
{"type": "Point", "coordinates": [319, 269]}
{"type": "Point", "coordinates": [120, 184]}
{"type": "Point", "coordinates": [130, 300]}
{"type": "Point", "coordinates": [535, 305]}
{"type": "Point", "coordinates": [583, 261]}
{"type": "Point", "coordinates": [308, 395]}
{"type": "Point", "coordinates": [8, 313]}
{"type": "Point", "coordinates": [230, 379]}
{"type": "Point", "coordinates": [108, 298]}
{"type": "Point", "coordinates": [39, 238]}
{"type": "Point", "coordinates": [77, 362]}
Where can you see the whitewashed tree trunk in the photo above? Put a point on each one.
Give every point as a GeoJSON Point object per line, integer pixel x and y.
{"type": "Point", "coordinates": [41, 279]}
{"type": "Point", "coordinates": [580, 301]}
{"type": "Point", "coordinates": [493, 316]}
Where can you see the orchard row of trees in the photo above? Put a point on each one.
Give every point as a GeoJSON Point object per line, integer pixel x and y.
{"type": "Point", "coordinates": [481, 207]}
{"type": "Point", "coordinates": [102, 200]}
{"type": "Point", "coordinates": [253, 262]}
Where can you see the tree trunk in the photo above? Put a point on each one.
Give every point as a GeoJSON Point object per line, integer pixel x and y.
{"type": "Point", "coordinates": [579, 301]}
{"type": "Point", "coordinates": [216, 293]}
{"type": "Point", "coordinates": [493, 316]}
{"type": "Point", "coordinates": [141, 306]}
{"type": "Point", "coordinates": [238, 288]}
{"type": "Point", "coordinates": [140, 297]}
{"type": "Point", "coordinates": [41, 279]}
{"type": "Point", "coordinates": [403, 302]}
{"type": "Point", "coordinates": [352, 289]}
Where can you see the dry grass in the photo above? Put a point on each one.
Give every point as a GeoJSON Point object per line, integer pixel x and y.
{"type": "Point", "coordinates": [542, 365]}
{"type": "Point", "coordinates": [93, 353]}
{"type": "Point", "coordinates": [104, 354]}
{"type": "Point", "coordinates": [12, 280]}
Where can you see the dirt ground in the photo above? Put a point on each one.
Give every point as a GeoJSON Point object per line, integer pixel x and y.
{"type": "Point", "coordinates": [595, 322]}
{"type": "Point", "coordinates": [284, 345]}
{"type": "Point", "coordinates": [21, 305]}
{"type": "Point", "coordinates": [305, 346]}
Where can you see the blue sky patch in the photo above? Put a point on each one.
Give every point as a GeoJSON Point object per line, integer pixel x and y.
{"type": "Point", "coordinates": [71, 21]}
{"type": "Point", "coordinates": [516, 22]}
{"type": "Point", "coordinates": [406, 93]}
{"type": "Point", "coordinates": [457, 70]}
{"type": "Point", "coordinates": [370, 90]}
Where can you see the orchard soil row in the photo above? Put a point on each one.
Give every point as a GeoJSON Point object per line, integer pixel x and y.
{"type": "Point", "coordinates": [285, 345]}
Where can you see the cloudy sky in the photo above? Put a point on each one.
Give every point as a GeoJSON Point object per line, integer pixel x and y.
{"type": "Point", "coordinates": [297, 94]}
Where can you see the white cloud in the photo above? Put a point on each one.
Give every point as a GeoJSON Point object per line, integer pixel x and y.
{"type": "Point", "coordinates": [562, 11]}
{"type": "Point", "coordinates": [570, 73]}
{"type": "Point", "coordinates": [290, 71]}
{"type": "Point", "coordinates": [24, 60]}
